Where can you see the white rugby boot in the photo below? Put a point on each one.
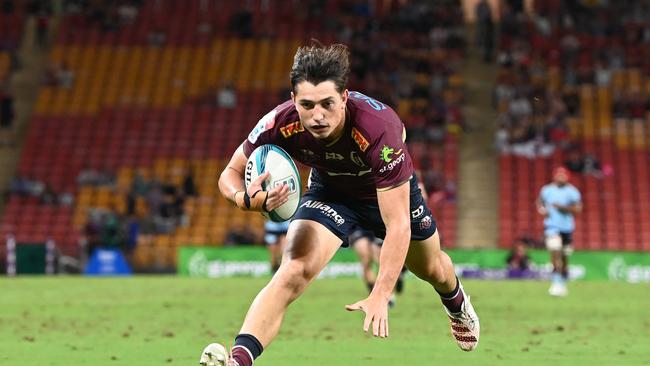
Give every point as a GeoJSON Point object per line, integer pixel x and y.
{"type": "Point", "coordinates": [216, 355]}
{"type": "Point", "coordinates": [465, 326]}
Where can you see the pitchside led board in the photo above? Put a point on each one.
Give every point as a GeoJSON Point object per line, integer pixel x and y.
{"type": "Point", "coordinates": [480, 264]}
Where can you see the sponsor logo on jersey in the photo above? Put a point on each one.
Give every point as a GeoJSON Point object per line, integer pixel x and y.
{"type": "Point", "coordinates": [291, 129]}
{"type": "Point", "coordinates": [358, 174]}
{"type": "Point", "coordinates": [289, 181]}
{"type": "Point", "coordinates": [325, 210]}
{"type": "Point", "coordinates": [357, 159]}
{"type": "Point", "coordinates": [333, 156]}
{"type": "Point", "coordinates": [266, 123]}
{"type": "Point", "coordinates": [393, 163]}
{"type": "Point", "coordinates": [387, 152]}
{"type": "Point", "coordinates": [359, 139]}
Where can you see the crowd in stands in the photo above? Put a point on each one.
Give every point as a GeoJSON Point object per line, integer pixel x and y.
{"type": "Point", "coordinates": [409, 57]}
{"type": "Point", "coordinates": [164, 210]}
{"type": "Point", "coordinates": [546, 56]}
{"type": "Point", "coordinates": [405, 54]}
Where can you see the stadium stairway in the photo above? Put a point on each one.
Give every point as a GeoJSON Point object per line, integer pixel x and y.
{"type": "Point", "coordinates": [24, 85]}
{"type": "Point", "coordinates": [478, 170]}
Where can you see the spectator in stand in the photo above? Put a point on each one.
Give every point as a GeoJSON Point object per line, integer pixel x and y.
{"type": "Point", "coordinates": [577, 162]}
{"type": "Point", "coordinates": [518, 259]}
{"type": "Point", "coordinates": [156, 38]}
{"type": "Point", "coordinates": [92, 231]}
{"type": "Point", "coordinates": [227, 96]}
{"type": "Point", "coordinates": [241, 23]}
{"type": "Point", "coordinates": [6, 118]}
{"type": "Point", "coordinates": [65, 76]}
{"type": "Point", "coordinates": [485, 29]}
{"type": "Point", "coordinates": [189, 187]}
{"type": "Point", "coordinates": [48, 197]}
{"type": "Point", "coordinates": [42, 28]}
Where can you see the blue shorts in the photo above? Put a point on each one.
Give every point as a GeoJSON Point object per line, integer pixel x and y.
{"type": "Point", "coordinates": [272, 231]}
{"type": "Point", "coordinates": [343, 215]}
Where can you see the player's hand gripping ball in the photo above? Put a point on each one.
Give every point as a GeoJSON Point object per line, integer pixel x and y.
{"type": "Point", "coordinates": [282, 170]}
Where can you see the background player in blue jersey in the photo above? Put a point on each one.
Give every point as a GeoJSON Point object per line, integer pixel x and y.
{"type": "Point", "coordinates": [362, 176]}
{"type": "Point", "coordinates": [558, 202]}
{"type": "Point", "coordinates": [275, 236]}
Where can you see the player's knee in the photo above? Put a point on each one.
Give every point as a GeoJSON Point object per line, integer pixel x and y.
{"type": "Point", "coordinates": [294, 276]}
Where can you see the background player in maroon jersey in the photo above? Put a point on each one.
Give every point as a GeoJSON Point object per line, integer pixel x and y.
{"type": "Point", "coordinates": [362, 177]}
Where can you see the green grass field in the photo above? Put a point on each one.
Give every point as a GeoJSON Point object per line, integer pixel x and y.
{"type": "Point", "coordinates": [168, 320]}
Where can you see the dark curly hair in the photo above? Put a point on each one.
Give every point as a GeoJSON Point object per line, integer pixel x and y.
{"type": "Point", "coordinates": [318, 63]}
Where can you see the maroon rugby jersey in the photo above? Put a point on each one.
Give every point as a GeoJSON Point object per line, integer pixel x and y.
{"type": "Point", "coordinates": [370, 155]}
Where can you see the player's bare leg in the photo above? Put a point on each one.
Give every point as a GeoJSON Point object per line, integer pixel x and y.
{"type": "Point", "coordinates": [429, 263]}
{"type": "Point", "coordinates": [276, 251]}
{"type": "Point", "coordinates": [363, 248]}
{"type": "Point", "coordinates": [309, 247]}
{"type": "Point", "coordinates": [558, 287]}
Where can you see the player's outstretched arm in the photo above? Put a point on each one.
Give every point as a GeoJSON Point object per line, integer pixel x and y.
{"type": "Point", "coordinates": [231, 186]}
{"type": "Point", "coordinates": [394, 208]}
{"type": "Point", "coordinates": [540, 207]}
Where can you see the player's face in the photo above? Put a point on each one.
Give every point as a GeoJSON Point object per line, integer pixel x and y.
{"type": "Point", "coordinates": [561, 178]}
{"type": "Point", "coordinates": [321, 109]}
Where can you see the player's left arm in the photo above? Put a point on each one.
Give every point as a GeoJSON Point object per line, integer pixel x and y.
{"type": "Point", "coordinates": [394, 209]}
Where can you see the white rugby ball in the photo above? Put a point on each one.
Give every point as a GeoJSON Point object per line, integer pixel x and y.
{"type": "Point", "coordinates": [282, 170]}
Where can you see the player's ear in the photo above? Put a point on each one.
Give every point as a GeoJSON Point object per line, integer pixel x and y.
{"type": "Point", "coordinates": [344, 97]}
{"type": "Point", "coordinates": [293, 97]}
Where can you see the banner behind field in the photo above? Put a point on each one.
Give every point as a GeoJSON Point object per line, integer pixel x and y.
{"type": "Point", "coordinates": [490, 264]}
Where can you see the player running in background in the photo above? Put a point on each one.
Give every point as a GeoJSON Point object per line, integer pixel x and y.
{"type": "Point", "coordinates": [559, 202]}
{"type": "Point", "coordinates": [368, 249]}
{"type": "Point", "coordinates": [275, 236]}
{"type": "Point", "coordinates": [362, 176]}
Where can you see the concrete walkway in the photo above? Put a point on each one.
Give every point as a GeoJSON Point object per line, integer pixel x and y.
{"type": "Point", "coordinates": [478, 186]}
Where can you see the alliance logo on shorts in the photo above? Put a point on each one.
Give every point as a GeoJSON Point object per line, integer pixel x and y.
{"type": "Point", "coordinates": [325, 210]}
{"type": "Point", "coordinates": [359, 139]}
{"type": "Point", "coordinates": [292, 129]}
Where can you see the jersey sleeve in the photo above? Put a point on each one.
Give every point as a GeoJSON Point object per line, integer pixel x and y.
{"type": "Point", "coordinates": [389, 158]}
{"type": "Point", "coordinates": [542, 195]}
{"type": "Point", "coordinates": [264, 132]}
{"type": "Point", "coordinates": [576, 197]}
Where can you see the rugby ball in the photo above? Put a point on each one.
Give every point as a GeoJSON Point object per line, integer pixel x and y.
{"type": "Point", "coordinates": [282, 170]}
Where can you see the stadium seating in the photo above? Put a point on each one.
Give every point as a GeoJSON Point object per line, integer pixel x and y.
{"type": "Point", "coordinates": [615, 205]}
{"type": "Point", "coordinates": [136, 106]}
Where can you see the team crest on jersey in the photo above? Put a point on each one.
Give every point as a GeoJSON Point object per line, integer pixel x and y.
{"type": "Point", "coordinates": [359, 139]}
{"type": "Point", "coordinates": [266, 123]}
{"type": "Point", "coordinates": [291, 129]}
